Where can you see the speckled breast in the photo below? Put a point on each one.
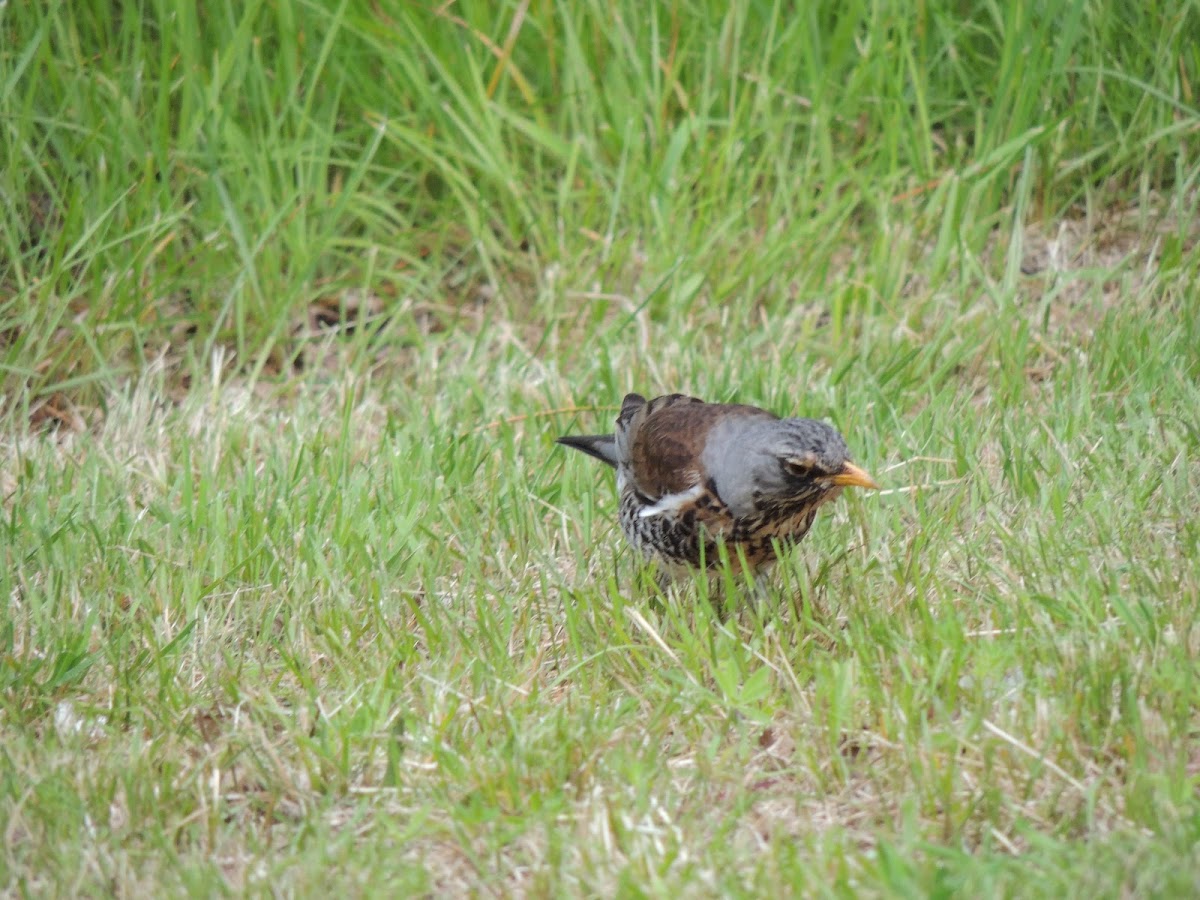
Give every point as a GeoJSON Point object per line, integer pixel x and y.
{"type": "Point", "coordinates": [693, 534]}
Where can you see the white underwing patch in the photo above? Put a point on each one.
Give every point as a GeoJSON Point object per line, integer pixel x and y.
{"type": "Point", "coordinates": [672, 502]}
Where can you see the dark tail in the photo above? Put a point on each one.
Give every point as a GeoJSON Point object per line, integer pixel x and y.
{"type": "Point", "coordinates": [602, 446]}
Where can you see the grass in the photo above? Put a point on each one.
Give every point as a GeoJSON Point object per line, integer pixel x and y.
{"type": "Point", "coordinates": [301, 596]}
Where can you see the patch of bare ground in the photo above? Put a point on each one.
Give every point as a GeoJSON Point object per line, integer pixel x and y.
{"type": "Point", "coordinates": [1090, 262]}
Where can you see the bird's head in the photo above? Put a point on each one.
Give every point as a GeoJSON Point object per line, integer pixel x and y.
{"type": "Point", "coordinates": [811, 453]}
{"type": "Point", "coordinates": [782, 461]}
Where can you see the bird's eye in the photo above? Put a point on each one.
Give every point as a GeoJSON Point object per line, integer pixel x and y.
{"type": "Point", "coordinates": [800, 466]}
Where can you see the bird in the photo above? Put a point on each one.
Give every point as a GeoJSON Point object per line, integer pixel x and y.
{"type": "Point", "coordinates": [692, 475]}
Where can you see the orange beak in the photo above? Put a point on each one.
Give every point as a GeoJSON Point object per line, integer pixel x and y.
{"type": "Point", "coordinates": [852, 476]}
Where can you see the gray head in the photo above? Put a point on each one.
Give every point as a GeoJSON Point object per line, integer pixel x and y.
{"type": "Point", "coordinates": [774, 461]}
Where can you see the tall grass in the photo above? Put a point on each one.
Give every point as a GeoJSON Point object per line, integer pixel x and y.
{"type": "Point", "coordinates": [192, 177]}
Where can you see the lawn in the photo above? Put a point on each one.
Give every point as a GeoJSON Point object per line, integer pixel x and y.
{"type": "Point", "coordinates": [302, 597]}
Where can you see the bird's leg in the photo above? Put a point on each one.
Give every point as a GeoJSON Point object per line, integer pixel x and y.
{"type": "Point", "coordinates": [758, 589]}
{"type": "Point", "coordinates": [663, 580]}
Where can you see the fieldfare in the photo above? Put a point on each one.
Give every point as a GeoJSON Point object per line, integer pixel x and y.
{"type": "Point", "coordinates": [693, 474]}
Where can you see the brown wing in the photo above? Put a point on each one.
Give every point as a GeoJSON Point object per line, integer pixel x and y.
{"type": "Point", "coordinates": [667, 437]}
